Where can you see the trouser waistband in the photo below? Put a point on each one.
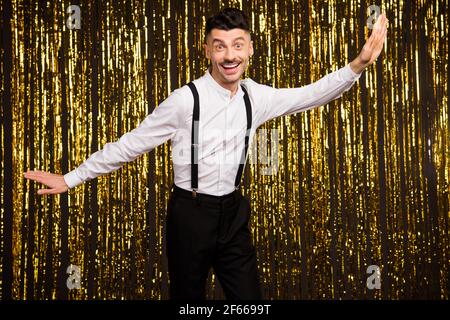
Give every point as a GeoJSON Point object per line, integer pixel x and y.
{"type": "Point", "coordinates": [205, 197]}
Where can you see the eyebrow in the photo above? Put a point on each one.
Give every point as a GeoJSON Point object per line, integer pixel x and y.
{"type": "Point", "coordinates": [218, 40]}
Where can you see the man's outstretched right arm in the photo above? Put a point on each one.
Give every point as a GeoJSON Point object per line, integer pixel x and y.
{"type": "Point", "coordinates": [155, 129]}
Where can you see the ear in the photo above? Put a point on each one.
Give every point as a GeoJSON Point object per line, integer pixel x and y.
{"type": "Point", "coordinates": [207, 52]}
{"type": "Point", "coordinates": [250, 49]}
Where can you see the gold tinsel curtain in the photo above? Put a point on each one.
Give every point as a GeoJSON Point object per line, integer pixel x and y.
{"type": "Point", "coordinates": [361, 181]}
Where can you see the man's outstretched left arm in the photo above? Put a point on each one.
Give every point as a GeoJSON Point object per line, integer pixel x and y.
{"type": "Point", "coordinates": [287, 101]}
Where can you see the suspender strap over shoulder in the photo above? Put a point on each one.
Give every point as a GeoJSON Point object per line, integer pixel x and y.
{"type": "Point", "coordinates": [248, 109]}
{"type": "Point", "coordinates": [195, 139]}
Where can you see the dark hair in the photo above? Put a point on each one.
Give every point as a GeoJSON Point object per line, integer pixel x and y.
{"type": "Point", "coordinates": [227, 19]}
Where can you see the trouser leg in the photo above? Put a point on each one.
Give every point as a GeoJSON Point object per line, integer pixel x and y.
{"type": "Point", "coordinates": [235, 262]}
{"type": "Point", "coordinates": [190, 248]}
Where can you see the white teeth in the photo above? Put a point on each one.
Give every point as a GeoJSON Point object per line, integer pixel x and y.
{"type": "Point", "coordinates": [230, 65]}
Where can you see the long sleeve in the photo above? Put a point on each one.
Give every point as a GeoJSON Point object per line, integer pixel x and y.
{"type": "Point", "coordinates": [285, 101]}
{"type": "Point", "coordinates": [155, 129]}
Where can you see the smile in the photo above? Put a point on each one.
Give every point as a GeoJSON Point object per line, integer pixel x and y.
{"type": "Point", "coordinates": [230, 66]}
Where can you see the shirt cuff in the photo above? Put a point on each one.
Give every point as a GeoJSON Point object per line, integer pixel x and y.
{"type": "Point", "coordinates": [349, 75]}
{"type": "Point", "coordinates": [72, 179]}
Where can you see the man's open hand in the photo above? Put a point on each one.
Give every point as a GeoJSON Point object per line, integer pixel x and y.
{"type": "Point", "coordinates": [55, 181]}
{"type": "Point", "coordinates": [373, 46]}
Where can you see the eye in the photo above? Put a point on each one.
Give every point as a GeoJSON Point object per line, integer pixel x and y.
{"type": "Point", "coordinates": [219, 47]}
{"type": "Point", "coordinates": [239, 45]}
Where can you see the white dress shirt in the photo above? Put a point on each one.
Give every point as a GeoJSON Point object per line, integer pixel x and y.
{"type": "Point", "coordinates": [222, 128]}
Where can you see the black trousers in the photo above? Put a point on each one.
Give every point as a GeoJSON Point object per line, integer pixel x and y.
{"type": "Point", "coordinates": [210, 231]}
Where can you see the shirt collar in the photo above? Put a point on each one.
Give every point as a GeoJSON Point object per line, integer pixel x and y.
{"type": "Point", "coordinates": [221, 90]}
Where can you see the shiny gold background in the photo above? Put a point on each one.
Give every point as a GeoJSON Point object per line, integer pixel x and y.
{"type": "Point", "coordinates": [363, 180]}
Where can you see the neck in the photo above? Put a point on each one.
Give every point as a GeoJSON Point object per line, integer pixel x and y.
{"type": "Point", "coordinates": [232, 87]}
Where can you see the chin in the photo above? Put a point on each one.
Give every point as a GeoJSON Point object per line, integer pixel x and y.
{"type": "Point", "coordinates": [233, 78]}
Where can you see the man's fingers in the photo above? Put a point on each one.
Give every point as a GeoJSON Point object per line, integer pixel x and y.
{"type": "Point", "coordinates": [384, 34]}
{"type": "Point", "coordinates": [385, 23]}
{"type": "Point", "coordinates": [380, 38]}
{"type": "Point", "coordinates": [371, 39]}
{"type": "Point", "coordinates": [32, 175]}
{"type": "Point", "coordinates": [379, 35]}
{"type": "Point", "coordinates": [377, 23]}
{"type": "Point", "coordinates": [47, 191]}
{"type": "Point", "coordinates": [383, 38]}
{"type": "Point", "coordinates": [378, 28]}
{"type": "Point", "coordinates": [37, 173]}
{"type": "Point", "coordinates": [33, 171]}
{"type": "Point", "coordinates": [381, 20]}
{"type": "Point", "coordinates": [43, 191]}
{"type": "Point", "coordinates": [39, 179]}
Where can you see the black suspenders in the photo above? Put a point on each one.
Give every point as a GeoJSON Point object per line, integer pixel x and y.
{"type": "Point", "coordinates": [248, 109]}
{"type": "Point", "coordinates": [194, 138]}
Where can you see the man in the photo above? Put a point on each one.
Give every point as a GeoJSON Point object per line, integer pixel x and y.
{"type": "Point", "coordinates": [210, 122]}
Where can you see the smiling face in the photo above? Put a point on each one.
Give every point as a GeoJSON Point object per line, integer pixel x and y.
{"type": "Point", "coordinates": [229, 52]}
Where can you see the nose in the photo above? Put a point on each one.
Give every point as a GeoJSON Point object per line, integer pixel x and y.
{"type": "Point", "coordinates": [229, 55]}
